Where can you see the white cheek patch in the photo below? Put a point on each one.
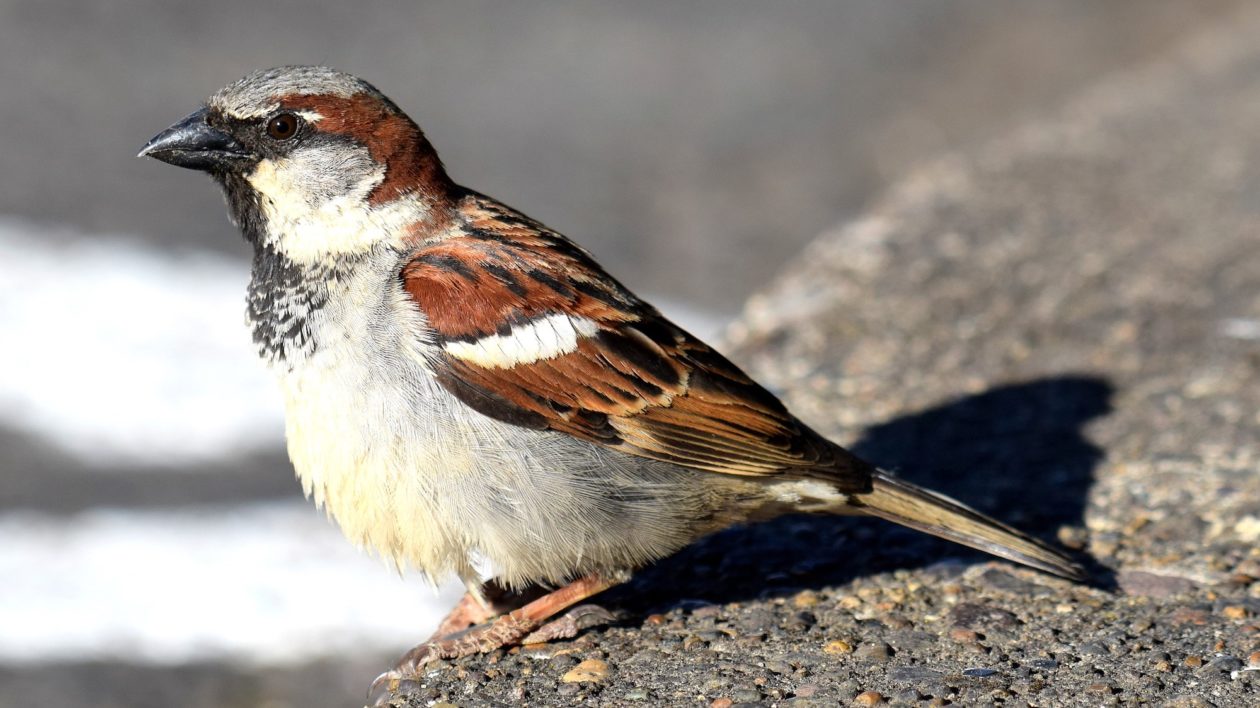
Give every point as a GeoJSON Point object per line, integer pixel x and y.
{"type": "Point", "coordinates": [544, 338]}
{"type": "Point", "coordinates": [315, 204]}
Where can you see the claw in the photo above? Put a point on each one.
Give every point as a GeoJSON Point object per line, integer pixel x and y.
{"type": "Point", "coordinates": [504, 630]}
{"type": "Point", "coordinates": [408, 667]}
{"type": "Point", "coordinates": [410, 663]}
{"type": "Point", "coordinates": [383, 687]}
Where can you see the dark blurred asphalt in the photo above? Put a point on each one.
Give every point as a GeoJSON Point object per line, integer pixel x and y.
{"type": "Point", "coordinates": [693, 148]}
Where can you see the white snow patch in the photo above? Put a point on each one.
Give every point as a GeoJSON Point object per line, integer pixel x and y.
{"type": "Point", "coordinates": [271, 584]}
{"type": "Point", "coordinates": [119, 353]}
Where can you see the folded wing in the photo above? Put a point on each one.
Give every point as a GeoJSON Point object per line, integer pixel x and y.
{"type": "Point", "coordinates": [532, 332]}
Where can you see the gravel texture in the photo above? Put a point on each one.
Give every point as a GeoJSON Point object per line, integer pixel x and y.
{"type": "Point", "coordinates": [1061, 328]}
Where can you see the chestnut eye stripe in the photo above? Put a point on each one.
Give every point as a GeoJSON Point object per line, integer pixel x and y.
{"type": "Point", "coordinates": [389, 135]}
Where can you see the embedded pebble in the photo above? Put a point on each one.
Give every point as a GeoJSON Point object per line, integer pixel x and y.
{"type": "Point", "coordinates": [1092, 649]}
{"type": "Point", "coordinates": [837, 646]}
{"type": "Point", "coordinates": [746, 695]}
{"type": "Point", "coordinates": [873, 651]}
{"type": "Point", "coordinates": [915, 674]}
{"type": "Point", "coordinates": [971, 615]}
{"type": "Point", "coordinates": [805, 599]}
{"type": "Point", "coordinates": [964, 635]}
{"type": "Point", "coordinates": [1189, 615]}
{"type": "Point", "coordinates": [806, 690]}
{"type": "Point", "coordinates": [1225, 663]}
{"type": "Point", "coordinates": [1235, 612]}
{"type": "Point", "coordinates": [589, 671]}
{"type": "Point", "coordinates": [1073, 537]}
{"type": "Point", "coordinates": [1142, 583]}
{"type": "Point", "coordinates": [563, 662]}
{"type": "Point", "coordinates": [868, 698]}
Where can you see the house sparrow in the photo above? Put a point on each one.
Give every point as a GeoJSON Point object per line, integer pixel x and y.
{"type": "Point", "coordinates": [463, 383]}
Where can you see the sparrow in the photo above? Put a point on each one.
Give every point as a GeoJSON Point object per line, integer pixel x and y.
{"type": "Point", "coordinates": [463, 384]}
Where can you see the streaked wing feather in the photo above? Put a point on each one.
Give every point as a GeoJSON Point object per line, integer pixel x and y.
{"type": "Point", "coordinates": [637, 383]}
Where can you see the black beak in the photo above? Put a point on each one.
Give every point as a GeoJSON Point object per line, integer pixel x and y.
{"type": "Point", "coordinates": [194, 144]}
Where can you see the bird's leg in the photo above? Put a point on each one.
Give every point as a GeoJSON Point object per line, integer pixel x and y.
{"type": "Point", "coordinates": [479, 604]}
{"type": "Point", "coordinates": [466, 613]}
{"type": "Point", "coordinates": [508, 628]}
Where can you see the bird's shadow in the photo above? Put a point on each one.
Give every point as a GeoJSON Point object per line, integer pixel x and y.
{"type": "Point", "coordinates": [1016, 452]}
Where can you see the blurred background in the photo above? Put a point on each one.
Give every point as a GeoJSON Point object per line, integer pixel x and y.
{"type": "Point", "coordinates": [154, 548]}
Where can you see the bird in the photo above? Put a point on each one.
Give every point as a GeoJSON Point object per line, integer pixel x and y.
{"type": "Point", "coordinates": [465, 388]}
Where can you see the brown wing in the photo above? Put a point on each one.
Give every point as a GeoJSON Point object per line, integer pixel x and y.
{"type": "Point", "coordinates": [534, 333]}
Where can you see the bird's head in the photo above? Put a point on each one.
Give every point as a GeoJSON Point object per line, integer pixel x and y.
{"type": "Point", "coordinates": [316, 163]}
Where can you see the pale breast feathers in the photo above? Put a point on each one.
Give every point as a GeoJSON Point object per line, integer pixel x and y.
{"type": "Point", "coordinates": [532, 332]}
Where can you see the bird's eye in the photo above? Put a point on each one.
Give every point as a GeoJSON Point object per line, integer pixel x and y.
{"type": "Point", "coordinates": [283, 126]}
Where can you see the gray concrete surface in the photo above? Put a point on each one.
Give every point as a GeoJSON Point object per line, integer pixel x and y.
{"type": "Point", "coordinates": [1061, 328]}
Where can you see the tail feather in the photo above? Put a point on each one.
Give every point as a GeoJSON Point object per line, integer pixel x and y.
{"type": "Point", "coordinates": [904, 503]}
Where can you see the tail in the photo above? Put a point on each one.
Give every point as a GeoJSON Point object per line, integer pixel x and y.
{"type": "Point", "coordinates": [909, 505]}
